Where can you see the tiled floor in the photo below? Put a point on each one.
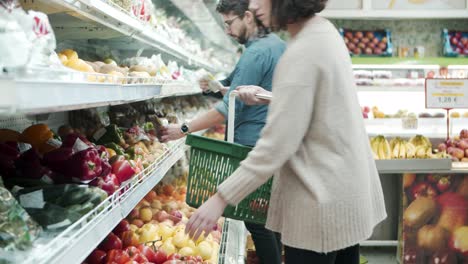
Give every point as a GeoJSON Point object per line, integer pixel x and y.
{"type": "Point", "coordinates": [379, 255]}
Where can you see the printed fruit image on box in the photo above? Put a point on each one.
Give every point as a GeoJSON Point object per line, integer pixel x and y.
{"type": "Point", "coordinates": [435, 219]}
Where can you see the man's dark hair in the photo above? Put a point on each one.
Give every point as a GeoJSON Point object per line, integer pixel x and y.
{"type": "Point", "coordinates": [284, 12]}
{"type": "Point", "coordinates": [238, 7]}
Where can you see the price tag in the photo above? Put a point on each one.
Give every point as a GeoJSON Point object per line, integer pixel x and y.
{"type": "Point", "coordinates": [446, 93]}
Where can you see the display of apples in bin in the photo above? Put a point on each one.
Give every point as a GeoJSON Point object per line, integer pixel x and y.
{"type": "Point", "coordinates": [366, 42]}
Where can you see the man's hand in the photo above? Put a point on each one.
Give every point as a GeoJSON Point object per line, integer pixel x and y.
{"type": "Point", "coordinates": [171, 132]}
{"type": "Point", "coordinates": [247, 95]}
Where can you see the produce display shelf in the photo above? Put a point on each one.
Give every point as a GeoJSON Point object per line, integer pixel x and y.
{"type": "Point", "coordinates": [371, 61]}
{"type": "Point", "coordinates": [361, 88]}
{"type": "Point", "coordinates": [368, 13]}
{"type": "Point", "coordinates": [379, 243]}
{"type": "Point", "coordinates": [112, 16]}
{"type": "Point", "coordinates": [413, 165]}
{"type": "Point", "coordinates": [45, 96]}
{"type": "Point", "coordinates": [75, 243]}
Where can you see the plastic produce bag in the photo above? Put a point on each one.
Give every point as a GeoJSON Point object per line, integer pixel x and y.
{"type": "Point", "coordinates": [14, 44]}
{"type": "Point", "coordinates": [17, 229]}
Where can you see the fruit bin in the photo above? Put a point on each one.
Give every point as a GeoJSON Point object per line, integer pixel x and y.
{"type": "Point", "coordinates": [455, 43]}
{"type": "Point", "coordinates": [368, 43]}
{"type": "Point", "coordinates": [211, 162]}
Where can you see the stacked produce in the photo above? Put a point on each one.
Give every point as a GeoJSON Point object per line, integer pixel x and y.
{"type": "Point", "coordinates": [455, 43]}
{"type": "Point", "coordinates": [154, 232]}
{"type": "Point", "coordinates": [435, 219]}
{"type": "Point", "coordinates": [418, 147]}
{"type": "Point", "coordinates": [367, 42]}
{"type": "Point", "coordinates": [456, 147]}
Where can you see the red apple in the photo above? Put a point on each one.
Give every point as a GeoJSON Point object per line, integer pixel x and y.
{"type": "Point", "coordinates": [349, 35]}
{"type": "Point", "coordinates": [371, 45]}
{"type": "Point", "coordinates": [138, 222]}
{"type": "Point", "coordinates": [359, 34]}
{"type": "Point", "coordinates": [464, 41]}
{"type": "Point", "coordinates": [382, 46]}
{"type": "Point", "coordinates": [442, 147]}
{"type": "Point", "coordinates": [444, 256]}
{"type": "Point", "coordinates": [464, 133]}
{"type": "Point", "coordinates": [351, 46]}
{"type": "Point", "coordinates": [454, 41]}
{"type": "Point", "coordinates": [346, 40]}
{"type": "Point", "coordinates": [365, 40]}
{"type": "Point", "coordinates": [96, 257]}
{"type": "Point", "coordinates": [355, 40]}
{"type": "Point", "coordinates": [110, 242]}
{"type": "Point", "coordinates": [458, 35]}
{"type": "Point", "coordinates": [366, 109]}
{"type": "Point", "coordinates": [370, 35]}
{"type": "Point", "coordinates": [121, 227]}
{"type": "Point", "coordinates": [456, 152]}
{"type": "Point", "coordinates": [384, 40]}
{"type": "Point", "coordinates": [362, 45]}
{"type": "Point", "coordinates": [357, 51]}
{"type": "Point", "coordinates": [377, 51]}
{"type": "Point", "coordinates": [368, 51]}
{"type": "Point", "coordinates": [423, 189]}
{"type": "Point", "coordinates": [135, 213]}
{"type": "Point", "coordinates": [375, 41]}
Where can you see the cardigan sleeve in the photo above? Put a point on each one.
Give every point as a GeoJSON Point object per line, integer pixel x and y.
{"type": "Point", "coordinates": [288, 120]}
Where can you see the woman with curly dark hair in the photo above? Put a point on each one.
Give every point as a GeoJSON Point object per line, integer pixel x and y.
{"type": "Point", "coordinates": [326, 196]}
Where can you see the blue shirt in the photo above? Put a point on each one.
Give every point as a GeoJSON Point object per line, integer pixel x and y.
{"type": "Point", "coordinates": [255, 67]}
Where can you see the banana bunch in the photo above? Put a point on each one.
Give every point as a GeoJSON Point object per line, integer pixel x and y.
{"type": "Point", "coordinates": [401, 149]}
{"type": "Point", "coordinates": [380, 148]}
{"type": "Point", "coordinates": [420, 140]}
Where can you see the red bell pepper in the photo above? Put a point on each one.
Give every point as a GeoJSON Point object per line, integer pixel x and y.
{"type": "Point", "coordinates": [106, 168]}
{"type": "Point", "coordinates": [103, 152]}
{"type": "Point", "coordinates": [57, 159]}
{"type": "Point", "coordinates": [85, 165]}
{"type": "Point", "coordinates": [29, 165]}
{"type": "Point", "coordinates": [123, 170]}
{"type": "Point", "coordinates": [71, 139]}
{"type": "Point", "coordinates": [108, 183]}
{"type": "Point", "coordinates": [8, 155]}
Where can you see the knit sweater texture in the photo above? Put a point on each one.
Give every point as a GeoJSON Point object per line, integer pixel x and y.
{"type": "Point", "coordinates": [326, 191]}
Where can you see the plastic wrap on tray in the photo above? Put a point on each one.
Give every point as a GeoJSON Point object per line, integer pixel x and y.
{"type": "Point", "coordinates": [17, 229]}
{"type": "Point", "coordinates": [455, 43]}
{"type": "Point", "coordinates": [363, 74]}
{"type": "Point", "coordinates": [88, 121]}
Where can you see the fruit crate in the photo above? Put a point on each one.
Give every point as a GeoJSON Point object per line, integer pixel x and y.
{"type": "Point", "coordinates": [455, 43]}
{"type": "Point", "coordinates": [368, 43]}
{"type": "Point", "coordinates": [211, 162]}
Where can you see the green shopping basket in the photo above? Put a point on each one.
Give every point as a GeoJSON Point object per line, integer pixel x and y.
{"type": "Point", "coordinates": [211, 162]}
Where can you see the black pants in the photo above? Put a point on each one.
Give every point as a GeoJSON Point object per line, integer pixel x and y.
{"type": "Point", "coordinates": [345, 256]}
{"type": "Point", "coordinates": [267, 243]}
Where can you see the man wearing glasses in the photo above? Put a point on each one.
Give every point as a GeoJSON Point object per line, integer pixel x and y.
{"type": "Point", "coordinates": [255, 68]}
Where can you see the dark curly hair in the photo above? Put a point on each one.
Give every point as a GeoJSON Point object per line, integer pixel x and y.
{"type": "Point", "coordinates": [238, 7]}
{"type": "Point", "coordinates": [284, 12]}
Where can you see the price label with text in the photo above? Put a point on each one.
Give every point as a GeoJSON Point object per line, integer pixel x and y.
{"type": "Point", "coordinates": [446, 93]}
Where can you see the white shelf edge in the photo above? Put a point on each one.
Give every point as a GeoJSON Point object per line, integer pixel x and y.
{"type": "Point", "coordinates": [394, 14]}
{"type": "Point", "coordinates": [379, 243]}
{"type": "Point", "coordinates": [361, 88]}
{"type": "Point", "coordinates": [78, 246]}
{"type": "Point", "coordinates": [395, 67]}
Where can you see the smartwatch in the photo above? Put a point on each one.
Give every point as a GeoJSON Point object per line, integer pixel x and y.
{"type": "Point", "coordinates": [185, 129]}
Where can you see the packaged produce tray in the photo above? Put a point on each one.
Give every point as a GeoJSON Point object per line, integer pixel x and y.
{"type": "Point", "coordinates": [455, 43]}
{"type": "Point", "coordinates": [211, 162]}
{"type": "Point", "coordinates": [413, 165]}
{"type": "Point", "coordinates": [368, 43]}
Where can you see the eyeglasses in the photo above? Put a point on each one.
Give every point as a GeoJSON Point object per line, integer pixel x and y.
{"type": "Point", "coordinates": [228, 23]}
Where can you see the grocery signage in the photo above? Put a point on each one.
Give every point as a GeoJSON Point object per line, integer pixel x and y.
{"type": "Point", "coordinates": [446, 93]}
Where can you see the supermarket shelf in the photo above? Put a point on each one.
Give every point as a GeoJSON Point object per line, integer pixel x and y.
{"type": "Point", "coordinates": [386, 62]}
{"type": "Point", "coordinates": [361, 88]}
{"type": "Point", "coordinates": [77, 241]}
{"type": "Point", "coordinates": [112, 16]}
{"type": "Point", "coordinates": [413, 165]}
{"type": "Point", "coordinates": [393, 14]}
{"type": "Point", "coordinates": [379, 243]}
{"type": "Point", "coordinates": [46, 96]}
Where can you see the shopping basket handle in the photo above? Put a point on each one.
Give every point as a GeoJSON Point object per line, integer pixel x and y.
{"type": "Point", "coordinates": [232, 111]}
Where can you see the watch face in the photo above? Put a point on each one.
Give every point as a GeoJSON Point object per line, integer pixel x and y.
{"type": "Point", "coordinates": [184, 128]}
